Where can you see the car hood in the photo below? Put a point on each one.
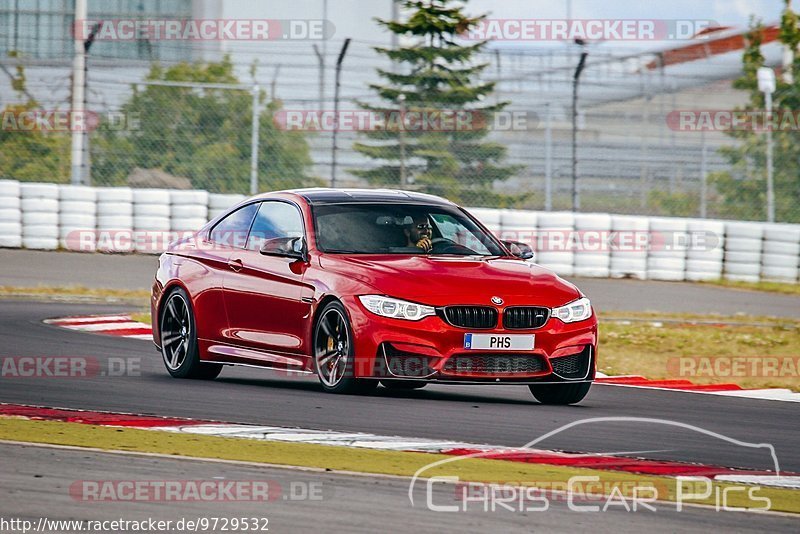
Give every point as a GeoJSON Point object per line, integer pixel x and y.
{"type": "Point", "coordinates": [442, 280]}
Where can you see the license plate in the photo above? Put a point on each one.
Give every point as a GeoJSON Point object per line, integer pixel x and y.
{"type": "Point", "coordinates": [498, 342]}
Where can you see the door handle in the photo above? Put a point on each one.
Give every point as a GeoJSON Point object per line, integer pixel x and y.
{"type": "Point", "coordinates": [235, 265]}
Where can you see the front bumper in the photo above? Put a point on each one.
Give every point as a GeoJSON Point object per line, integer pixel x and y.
{"type": "Point", "coordinates": [432, 350]}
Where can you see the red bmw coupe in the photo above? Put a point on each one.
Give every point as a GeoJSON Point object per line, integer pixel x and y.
{"type": "Point", "coordinates": [368, 286]}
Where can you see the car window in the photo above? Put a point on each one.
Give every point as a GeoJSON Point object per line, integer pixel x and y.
{"type": "Point", "coordinates": [450, 228]}
{"type": "Point", "coordinates": [232, 230]}
{"type": "Point", "coordinates": [275, 219]}
{"type": "Point", "coordinates": [390, 228]}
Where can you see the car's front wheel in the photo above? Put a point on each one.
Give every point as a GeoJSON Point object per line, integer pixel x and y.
{"type": "Point", "coordinates": [560, 393]}
{"type": "Point", "coordinates": [334, 352]}
{"type": "Point", "coordinates": [179, 339]}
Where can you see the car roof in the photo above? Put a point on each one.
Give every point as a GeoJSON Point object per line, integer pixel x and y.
{"type": "Point", "coordinates": [324, 195]}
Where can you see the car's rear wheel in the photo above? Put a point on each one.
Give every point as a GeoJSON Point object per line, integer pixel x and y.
{"type": "Point", "coordinates": [560, 393]}
{"type": "Point", "coordinates": [403, 384]}
{"type": "Point", "coordinates": [179, 340]}
{"type": "Point", "coordinates": [334, 352]}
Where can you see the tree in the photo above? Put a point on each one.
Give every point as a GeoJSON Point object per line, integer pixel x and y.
{"type": "Point", "coordinates": [202, 134]}
{"type": "Point", "coordinates": [435, 75]}
{"type": "Point", "coordinates": [742, 190]}
{"type": "Point", "coordinates": [31, 155]}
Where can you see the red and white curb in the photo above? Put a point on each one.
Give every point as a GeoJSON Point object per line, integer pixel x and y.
{"type": "Point", "coordinates": [123, 326]}
{"type": "Point", "coordinates": [363, 440]}
{"type": "Point", "coordinates": [110, 325]}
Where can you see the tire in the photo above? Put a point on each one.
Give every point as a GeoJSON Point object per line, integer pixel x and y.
{"type": "Point", "coordinates": [30, 218]}
{"type": "Point", "coordinates": [9, 188]}
{"type": "Point", "coordinates": [403, 385]}
{"type": "Point", "coordinates": [333, 352]}
{"type": "Point", "coordinates": [77, 193]}
{"type": "Point", "coordinates": [39, 205]}
{"type": "Point", "coordinates": [10, 215]}
{"type": "Point", "coordinates": [218, 201]}
{"type": "Point", "coordinates": [78, 206]}
{"type": "Point", "coordinates": [521, 219]}
{"type": "Point", "coordinates": [179, 348]}
{"type": "Point", "coordinates": [150, 196]}
{"type": "Point", "coordinates": [114, 194]}
{"type": "Point", "coordinates": [151, 224]}
{"type": "Point", "coordinates": [38, 190]}
{"type": "Point", "coordinates": [186, 225]}
{"type": "Point", "coordinates": [151, 210]}
{"type": "Point", "coordinates": [189, 211]}
{"type": "Point", "coordinates": [49, 231]}
{"type": "Point", "coordinates": [189, 197]}
{"type": "Point", "coordinates": [10, 203]}
{"type": "Point", "coordinates": [112, 209]}
{"type": "Point", "coordinates": [560, 394]}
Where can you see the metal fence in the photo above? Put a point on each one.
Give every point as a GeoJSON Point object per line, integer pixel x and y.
{"type": "Point", "coordinates": [631, 156]}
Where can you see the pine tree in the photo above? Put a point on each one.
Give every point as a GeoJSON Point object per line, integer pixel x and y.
{"type": "Point", "coordinates": [743, 189]}
{"type": "Point", "coordinates": [436, 74]}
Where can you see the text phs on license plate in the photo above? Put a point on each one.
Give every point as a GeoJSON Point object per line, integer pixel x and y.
{"type": "Point", "coordinates": [498, 342]}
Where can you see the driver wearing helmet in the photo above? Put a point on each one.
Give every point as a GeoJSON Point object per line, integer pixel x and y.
{"type": "Point", "coordinates": [419, 233]}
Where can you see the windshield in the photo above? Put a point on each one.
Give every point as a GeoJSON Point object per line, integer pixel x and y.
{"type": "Point", "coordinates": [400, 229]}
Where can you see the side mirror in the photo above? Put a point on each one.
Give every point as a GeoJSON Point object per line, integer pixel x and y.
{"type": "Point", "coordinates": [286, 247]}
{"type": "Point", "coordinates": [520, 250]}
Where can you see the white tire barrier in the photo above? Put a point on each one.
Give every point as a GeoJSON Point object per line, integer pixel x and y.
{"type": "Point", "coordinates": [150, 196]}
{"type": "Point", "coordinates": [38, 218]}
{"type": "Point", "coordinates": [151, 210]}
{"type": "Point", "coordinates": [10, 203]}
{"type": "Point", "coordinates": [77, 193]}
{"type": "Point", "coordinates": [40, 230]}
{"type": "Point", "coordinates": [780, 274]}
{"type": "Point", "coordinates": [187, 225]}
{"type": "Point", "coordinates": [9, 188]}
{"type": "Point", "coordinates": [110, 209]}
{"type": "Point", "coordinates": [38, 190]}
{"type": "Point", "coordinates": [788, 233]}
{"type": "Point", "coordinates": [629, 256]}
{"type": "Point", "coordinates": [77, 206]}
{"type": "Point", "coordinates": [189, 211]}
{"type": "Point", "coordinates": [38, 205]}
{"type": "Point", "coordinates": [40, 243]}
{"type": "Point", "coordinates": [593, 252]}
{"type": "Point", "coordinates": [218, 201]}
{"type": "Point", "coordinates": [114, 194]}
{"type": "Point", "coordinates": [191, 198]}
{"type": "Point", "coordinates": [747, 230]}
{"type": "Point", "coordinates": [151, 224]}
{"type": "Point", "coordinates": [10, 215]}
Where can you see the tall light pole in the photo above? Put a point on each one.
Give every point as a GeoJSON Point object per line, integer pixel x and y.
{"type": "Point", "coordinates": [766, 84]}
{"type": "Point", "coordinates": [401, 137]}
{"type": "Point", "coordinates": [78, 89]}
{"type": "Point", "coordinates": [336, 87]}
{"type": "Point", "coordinates": [576, 200]}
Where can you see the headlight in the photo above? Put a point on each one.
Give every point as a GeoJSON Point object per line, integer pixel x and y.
{"type": "Point", "coordinates": [575, 311]}
{"type": "Point", "coordinates": [396, 309]}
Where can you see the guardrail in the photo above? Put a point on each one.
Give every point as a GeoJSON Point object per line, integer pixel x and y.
{"type": "Point", "coordinates": [47, 216]}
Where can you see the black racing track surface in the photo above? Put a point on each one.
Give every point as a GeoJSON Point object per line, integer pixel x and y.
{"type": "Point", "coordinates": [505, 415]}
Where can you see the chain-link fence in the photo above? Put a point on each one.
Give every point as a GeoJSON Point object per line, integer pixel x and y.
{"type": "Point", "coordinates": [632, 154]}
